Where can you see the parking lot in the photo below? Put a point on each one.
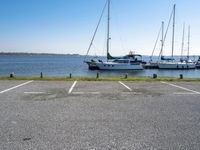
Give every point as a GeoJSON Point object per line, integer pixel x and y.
{"type": "Point", "coordinates": [99, 115]}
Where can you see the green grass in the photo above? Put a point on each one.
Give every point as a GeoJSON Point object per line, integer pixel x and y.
{"type": "Point", "coordinates": [110, 78]}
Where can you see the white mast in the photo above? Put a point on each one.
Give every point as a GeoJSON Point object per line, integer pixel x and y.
{"type": "Point", "coordinates": [183, 38]}
{"type": "Point", "coordinates": [162, 41]}
{"type": "Point", "coordinates": [188, 42]}
{"type": "Point", "coordinates": [108, 29]}
{"type": "Point", "coordinates": [173, 30]}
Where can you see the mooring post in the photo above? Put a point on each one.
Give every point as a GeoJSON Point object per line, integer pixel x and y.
{"type": "Point", "coordinates": [181, 76]}
{"type": "Point", "coordinates": [12, 75]}
{"type": "Point", "coordinates": [41, 75]}
{"type": "Point", "coordinates": [155, 76]}
{"type": "Point", "coordinates": [126, 75]}
{"type": "Point", "coordinates": [70, 75]}
{"type": "Point", "coordinates": [97, 75]}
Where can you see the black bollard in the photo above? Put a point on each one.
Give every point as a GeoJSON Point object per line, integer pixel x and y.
{"type": "Point", "coordinates": [41, 75]}
{"type": "Point", "coordinates": [12, 75]}
{"type": "Point", "coordinates": [155, 76]}
{"type": "Point", "coordinates": [181, 76]}
{"type": "Point", "coordinates": [126, 75]}
{"type": "Point", "coordinates": [70, 75]}
{"type": "Point", "coordinates": [97, 75]}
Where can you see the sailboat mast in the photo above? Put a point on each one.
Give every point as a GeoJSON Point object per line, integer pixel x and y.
{"type": "Point", "coordinates": [162, 41]}
{"type": "Point", "coordinates": [188, 42]}
{"type": "Point", "coordinates": [108, 30]}
{"type": "Point", "coordinates": [173, 30]}
{"type": "Point", "coordinates": [183, 38]}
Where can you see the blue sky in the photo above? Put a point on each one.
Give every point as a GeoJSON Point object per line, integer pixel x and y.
{"type": "Point", "coordinates": [66, 26]}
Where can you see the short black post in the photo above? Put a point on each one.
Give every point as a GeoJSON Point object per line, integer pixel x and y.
{"type": "Point", "coordinates": [155, 76]}
{"type": "Point", "coordinates": [181, 76]}
{"type": "Point", "coordinates": [97, 75]}
{"type": "Point", "coordinates": [70, 75]}
{"type": "Point", "coordinates": [126, 75]}
{"type": "Point", "coordinates": [12, 75]}
{"type": "Point", "coordinates": [41, 75]}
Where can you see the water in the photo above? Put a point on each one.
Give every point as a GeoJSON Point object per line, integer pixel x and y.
{"type": "Point", "coordinates": [63, 65]}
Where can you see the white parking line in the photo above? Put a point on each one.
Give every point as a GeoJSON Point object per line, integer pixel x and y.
{"type": "Point", "coordinates": [125, 86]}
{"type": "Point", "coordinates": [4, 91]}
{"type": "Point", "coordinates": [180, 87]}
{"type": "Point", "coordinates": [72, 87]}
{"type": "Point", "coordinates": [82, 93]}
{"type": "Point", "coordinates": [34, 92]}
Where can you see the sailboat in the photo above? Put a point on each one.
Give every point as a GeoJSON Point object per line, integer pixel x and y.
{"type": "Point", "coordinates": [186, 58]}
{"type": "Point", "coordinates": [154, 64]}
{"type": "Point", "coordinates": [171, 63]}
{"type": "Point", "coordinates": [129, 62]}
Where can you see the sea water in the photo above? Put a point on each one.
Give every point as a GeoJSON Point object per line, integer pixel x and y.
{"type": "Point", "coordinates": [63, 65]}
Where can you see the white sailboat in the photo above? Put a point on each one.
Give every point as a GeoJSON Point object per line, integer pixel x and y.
{"type": "Point", "coordinates": [171, 63]}
{"type": "Point", "coordinates": [129, 62]}
{"type": "Point", "coordinates": [152, 64]}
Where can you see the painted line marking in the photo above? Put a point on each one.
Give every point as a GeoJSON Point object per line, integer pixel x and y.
{"type": "Point", "coordinates": [135, 93]}
{"type": "Point", "coordinates": [12, 88]}
{"type": "Point", "coordinates": [81, 93]}
{"type": "Point", "coordinates": [125, 86]}
{"type": "Point", "coordinates": [34, 92]}
{"type": "Point", "coordinates": [78, 93]}
{"type": "Point", "coordinates": [180, 87]}
{"type": "Point", "coordinates": [95, 92]}
{"type": "Point", "coordinates": [72, 87]}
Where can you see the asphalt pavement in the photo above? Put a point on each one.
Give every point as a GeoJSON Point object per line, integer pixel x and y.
{"type": "Point", "coordinates": [99, 115]}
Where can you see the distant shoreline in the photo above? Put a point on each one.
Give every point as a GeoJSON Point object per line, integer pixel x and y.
{"type": "Point", "coordinates": [24, 53]}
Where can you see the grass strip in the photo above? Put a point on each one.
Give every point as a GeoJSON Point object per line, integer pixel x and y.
{"type": "Point", "coordinates": [102, 78]}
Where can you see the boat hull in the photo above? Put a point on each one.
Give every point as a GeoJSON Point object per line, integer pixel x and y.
{"type": "Point", "coordinates": [151, 66]}
{"type": "Point", "coordinates": [114, 66]}
{"type": "Point", "coordinates": [176, 65]}
{"type": "Point", "coordinates": [120, 67]}
{"type": "Point", "coordinates": [92, 65]}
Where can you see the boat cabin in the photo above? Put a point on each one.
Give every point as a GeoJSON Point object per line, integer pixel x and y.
{"type": "Point", "coordinates": [167, 59]}
{"type": "Point", "coordinates": [129, 59]}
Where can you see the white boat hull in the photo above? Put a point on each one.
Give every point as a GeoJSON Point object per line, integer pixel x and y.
{"type": "Point", "coordinates": [117, 66]}
{"type": "Point", "coordinates": [176, 65]}
{"type": "Point", "coordinates": [151, 65]}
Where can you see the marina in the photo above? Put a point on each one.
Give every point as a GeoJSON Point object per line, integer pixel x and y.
{"type": "Point", "coordinates": [64, 88]}
{"type": "Point", "coordinates": [134, 61]}
{"type": "Point", "coordinates": [63, 65]}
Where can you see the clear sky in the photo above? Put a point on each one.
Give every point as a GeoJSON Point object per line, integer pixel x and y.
{"type": "Point", "coordinates": [66, 26]}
